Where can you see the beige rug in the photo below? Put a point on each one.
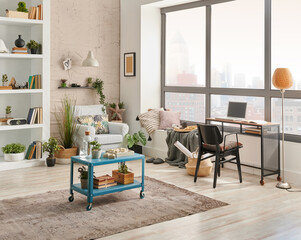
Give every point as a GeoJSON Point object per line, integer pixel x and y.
{"type": "Point", "coordinates": [51, 216]}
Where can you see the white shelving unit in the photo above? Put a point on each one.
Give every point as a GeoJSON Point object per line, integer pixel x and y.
{"type": "Point", "coordinates": [21, 67]}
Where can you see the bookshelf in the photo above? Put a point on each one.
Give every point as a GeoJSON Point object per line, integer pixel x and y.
{"type": "Point", "coordinates": [21, 67]}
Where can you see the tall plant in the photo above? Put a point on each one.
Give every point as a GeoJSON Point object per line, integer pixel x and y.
{"type": "Point", "coordinates": [65, 118]}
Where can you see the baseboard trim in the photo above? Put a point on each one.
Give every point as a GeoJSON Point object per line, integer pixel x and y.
{"type": "Point", "coordinates": [154, 152]}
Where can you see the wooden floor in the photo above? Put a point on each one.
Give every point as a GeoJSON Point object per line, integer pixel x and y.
{"type": "Point", "coordinates": [254, 211]}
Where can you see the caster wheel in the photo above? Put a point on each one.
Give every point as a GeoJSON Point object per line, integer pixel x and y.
{"type": "Point", "coordinates": [261, 182]}
{"type": "Point", "coordinates": [71, 198]}
{"type": "Point", "coordinates": [142, 195]}
{"type": "Point", "coordinates": [89, 207]}
{"type": "Point", "coordinates": [279, 178]}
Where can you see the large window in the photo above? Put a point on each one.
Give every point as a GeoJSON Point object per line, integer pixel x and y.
{"type": "Point", "coordinates": [220, 51]}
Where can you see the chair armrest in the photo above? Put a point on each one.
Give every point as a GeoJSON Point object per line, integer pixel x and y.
{"type": "Point", "coordinates": [118, 128]}
{"type": "Point", "coordinates": [229, 135]}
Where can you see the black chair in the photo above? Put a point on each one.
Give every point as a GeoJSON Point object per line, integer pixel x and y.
{"type": "Point", "coordinates": [211, 142]}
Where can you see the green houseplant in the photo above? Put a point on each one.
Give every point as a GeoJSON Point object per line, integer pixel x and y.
{"type": "Point", "coordinates": [33, 46]}
{"type": "Point", "coordinates": [133, 140]}
{"type": "Point", "coordinates": [4, 79]}
{"type": "Point", "coordinates": [8, 111]}
{"type": "Point", "coordinates": [14, 152]}
{"type": "Point", "coordinates": [67, 126]}
{"type": "Point", "coordinates": [83, 176]}
{"type": "Point", "coordinates": [122, 175]}
{"type": "Point", "coordinates": [89, 82]}
{"type": "Point", "coordinates": [51, 147]}
{"type": "Point", "coordinates": [22, 7]}
{"type": "Point", "coordinates": [98, 85]}
{"type": "Point", "coordinates": [96, 149]}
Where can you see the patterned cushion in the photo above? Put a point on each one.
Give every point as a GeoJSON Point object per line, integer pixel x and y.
{"type": "Point", "coordinates": [99, 122]}
{"type": "Point", "coordinates": [229, 145]}
{"type": "Point", "coordinates": [150, 120]}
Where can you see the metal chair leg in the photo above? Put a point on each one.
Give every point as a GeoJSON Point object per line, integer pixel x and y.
{"type": "Point", "coordinates": [238, 166]}
{"type": "Point", "coordinates": [215, 170]}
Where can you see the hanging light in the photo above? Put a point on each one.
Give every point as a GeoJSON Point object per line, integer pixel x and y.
{"type": "Point", "coordinates": [90, 61]}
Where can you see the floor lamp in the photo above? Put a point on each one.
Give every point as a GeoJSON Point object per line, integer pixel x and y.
{"type": "Point", "coordinates": [282, 79]}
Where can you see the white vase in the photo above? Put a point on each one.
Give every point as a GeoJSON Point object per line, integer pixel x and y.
{"type": "Point", "coordinates": [14, 157]}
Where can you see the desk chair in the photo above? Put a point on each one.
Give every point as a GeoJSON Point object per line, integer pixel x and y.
{"type": "Point", "coordinates": [211, 142]}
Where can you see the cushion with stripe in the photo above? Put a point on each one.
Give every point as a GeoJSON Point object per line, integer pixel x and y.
{"type": "Point", "coordinates": [150, 120]}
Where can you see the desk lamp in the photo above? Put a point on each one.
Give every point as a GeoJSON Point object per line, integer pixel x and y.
{"type": "Point", "coordinates": [282, 79]}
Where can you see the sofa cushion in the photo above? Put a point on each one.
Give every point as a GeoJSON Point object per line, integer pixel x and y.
{"type": "Point", "coordinates": [168, 118]}
{"type": "Point", "coordinates": [229, 145]}
{"type": "Point", "coordinates": [99, 122]}
{"type": "Point", "coordinates": [109, 138]}
{"type": "Point", "coordinates": [150, 120]}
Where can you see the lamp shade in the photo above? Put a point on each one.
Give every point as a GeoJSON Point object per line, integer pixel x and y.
{"type": "Point", "coordinates": [282, 78]}
{"type": "Point", "coordinates": [90, 61]}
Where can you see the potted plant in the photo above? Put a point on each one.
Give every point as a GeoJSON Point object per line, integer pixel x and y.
{"type": "Point", "coordinates": [83, 176]}
{"type": "Point", "coordinates": [51, 147]}
{"type": "Point", "coordinates": [89, 82]}
{"type": "Point", "coordinates": [8, 111]}
{"type": "Point", "coordinates": [4, 79]}
{"type": "Point", "coordinates": [122, 175]}
{"type": "Point", "coordinates": [67, 126]}
{"type": "Point", "coordinates": [96, 149]}
{"type": "Point", "coordinates": [22, 7]}
{"type": "Point", "coordinates": [14, 152]}
{"type": "Point", "coordinates": [133, 140]}
{"type": "Point", "coordinates": [98, 85]}
{"type": "Point", "coordinates": [33, 46]}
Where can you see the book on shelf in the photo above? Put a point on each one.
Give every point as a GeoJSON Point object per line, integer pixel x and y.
{"type": "Point", "coordinates": [35, 82]}
{"type": "Point", "coordinates": [16, 50]}
{"type": "Point", "coordinates": [104, 185]}
{"type": "Point", "coordinates": [35, 115]}
{"type": "Point", "coordinates": [253, 130]}
{"type": "Point", "coordinates": [34, 151]}
{"type": "Point", "coordinates": [30, 151]}
{"type": "Point", "coordinates": [36, 12]}
{"type": "Point", "coordinates": [106, 179]}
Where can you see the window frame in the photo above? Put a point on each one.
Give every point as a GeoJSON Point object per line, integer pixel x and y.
{"type": "Point", "coordinates": [267, 92]}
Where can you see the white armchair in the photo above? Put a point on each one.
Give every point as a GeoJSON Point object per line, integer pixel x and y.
{"type": "Point", "coordinates": [117, 131]}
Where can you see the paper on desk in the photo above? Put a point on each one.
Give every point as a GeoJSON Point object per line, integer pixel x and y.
{"type": "Point", "coordinates": [183, 149]}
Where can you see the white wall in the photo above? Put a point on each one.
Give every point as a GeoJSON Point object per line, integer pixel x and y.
{"type": "Point", "coordinates": [140, 33]}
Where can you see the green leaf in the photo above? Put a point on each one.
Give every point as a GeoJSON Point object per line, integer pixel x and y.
{"type": "Point", "coordinates": [142, 138]}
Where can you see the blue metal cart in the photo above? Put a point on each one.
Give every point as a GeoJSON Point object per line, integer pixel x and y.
{"type": "Point", "coordinates": [91, 163]}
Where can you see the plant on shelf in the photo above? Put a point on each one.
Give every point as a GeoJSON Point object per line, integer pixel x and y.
{"type": "Point", "coordinates": [4, 79]}
{"type": "Point", "coordinates": [14, 152]}
{"type": "Point", "coordinates": [89, 82]}
{"type": "Point", "coordinates": [22, 7]}
{"type": "Point", "coordinates": [67, 126]}
{"type": "Point", "coordinates": [98, 85]}
{"type": "Point", "coordinates": [33, 46]}
{"type": "Point", "coordinates": [121, 105]}
{"type": "Point", "coordinates": [83, 176]}
{"type": "Point", "coordinates": [122, 175]}
{"type": "Point", "coordinates": [8, 111]}
{"type": "Point", "coordinates": [96, 149]}
{"type": "Point", "coordinates": [51, 147]}
{"type": "Point", "coordinates": [123, 168]}
{"type": "Point", "coordinates": [133, 140]}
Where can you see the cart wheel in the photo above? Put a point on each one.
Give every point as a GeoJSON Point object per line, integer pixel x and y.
{"type": "Point", "coordinates": [89, 207]}
{"type": "Point", "coordinates": [261, 182]}
{"type": "Point", "coordinates": [141, 195]}
{"type": "Point", "coordinates": [279, 178]}
{"type": "Point", "coordinates": [71, 198]}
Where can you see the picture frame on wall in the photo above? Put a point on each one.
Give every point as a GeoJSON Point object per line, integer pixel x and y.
{"type": "Point", "coordinates": [130, 64]}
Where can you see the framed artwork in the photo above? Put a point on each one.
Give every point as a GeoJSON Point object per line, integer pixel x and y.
{"type": "Point", "coordinates": [130, 64]}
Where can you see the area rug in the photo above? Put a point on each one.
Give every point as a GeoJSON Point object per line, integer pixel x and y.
{"type": "Point", "coordinates": [51, 216]}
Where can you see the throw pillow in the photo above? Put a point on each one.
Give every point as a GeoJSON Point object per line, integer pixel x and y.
{"type": "Point", "coordinates": [168, 118]}
{"type": "Point", "coordinates": [150, 120]}
{"type": "Point", "coordinates": [86, 120]}
{"type": "Point", "coordinates": [101, 124]}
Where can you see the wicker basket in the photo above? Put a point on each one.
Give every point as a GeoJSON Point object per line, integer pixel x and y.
{"type": "Point", "coordinates": [16, 14]}
{"type": "Point", "coordinates": [63, 156]}
{"type": "Point", "coordinates": [123, 178]}
{"type": "Point", "coordinates": [204, 170]}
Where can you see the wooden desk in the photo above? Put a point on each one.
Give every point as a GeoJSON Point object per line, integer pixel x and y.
{"type": "Point", "coordinates": [269, 134]}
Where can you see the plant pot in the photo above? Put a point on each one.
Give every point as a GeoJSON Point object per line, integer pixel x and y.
{"type": "Point", "coordinates": [63, 156]}
{"type": "Point", "coordinates": [96, 154]}
{"type": "Point", "coordinates": [50, 161]}
{"type": "Point", "coordinates": [123, 178]}
{"type": "Point", "coordinates": [33, 50]}
{"type": "Point", "coordinates": [8, 115]}
{"type": "Point", "coordinates": [14, 157]}
{"type": "Point", "coordinates": [137, 149]}
{"type": "Point", "coordinates": [84, 183]}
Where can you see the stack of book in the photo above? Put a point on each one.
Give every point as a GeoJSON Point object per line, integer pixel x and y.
{"type": "Point", "coordinates": [103, 182]}
{"type": "Point", "coordinates": [16, 50]}
{"type": "Point", "coordinates": [35, 82]}
{"type": "Point", "coordinates": [35, 116]}
{"type": "Point", "coordinates": [253, 130]}
{"type": "Point", "coordinates": [34, 151]}
{"type": "Point", "coordinates": [36, 12]}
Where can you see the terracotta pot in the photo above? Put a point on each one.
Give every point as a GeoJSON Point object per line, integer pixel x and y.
{"type": "Point", "coordinates": [64, 155]}
{"type": "Point", "coordinates": [84, 183]}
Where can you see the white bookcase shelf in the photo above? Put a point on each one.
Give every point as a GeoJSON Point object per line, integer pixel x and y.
{"type": "Point", "coordinates": [21, 66]}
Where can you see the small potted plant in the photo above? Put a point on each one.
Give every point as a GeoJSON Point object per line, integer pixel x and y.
{"type": "Point", "coordinates": [8, 111]}
{"type": "Point", "coordinates": [133, 140]}
{"type": "Point", "coordinates": [89, 82]}
{"type": "Point", "coordinates": [63, 83]}
{"type": "Point", "coordinates": [96, 150]}
{"type": "Point", "coordinates": [22, 7]}
{"type": "Point", "coordinates": [51, 147]}
{"type": "Point", "coordinates": [14, 152]}
{"type": "Point", "coordinates": [33, 46]}
{"type": "Point", "coordinates": [122, 175]}
{"type": "Point", "coordinates": [4, 79]}
{"type": "Point", "coordinates": [83, 176]}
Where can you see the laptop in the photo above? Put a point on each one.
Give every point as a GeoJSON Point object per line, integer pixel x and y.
{"type": "Point", "coordinates": [236, 111]}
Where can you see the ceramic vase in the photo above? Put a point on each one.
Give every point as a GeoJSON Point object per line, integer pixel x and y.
{"type": "Point", "coordinates": [20, 42]}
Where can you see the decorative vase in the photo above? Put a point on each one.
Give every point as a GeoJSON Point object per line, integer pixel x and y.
{"type": "Point", "coordinates": [64, 155]}
{"type": "Point", "coordinates": [96, 154]}
{"type": "Point", "coordinates": [33, 50]}
{"type": "Point", "coordinates": [50, 161]}
{"type": "Point", "coordinates": [20, 42]}
{"type": "Point", "coordinates": [84, 183]}
{"type": "Point", "coordinates": [14, 157]}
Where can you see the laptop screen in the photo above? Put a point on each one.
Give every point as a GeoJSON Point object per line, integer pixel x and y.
{"type": "Point", "coordinates": [237, 109]}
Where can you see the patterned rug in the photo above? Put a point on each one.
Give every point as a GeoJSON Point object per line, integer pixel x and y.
{"type": "Point", "coordinates": [51, 216]}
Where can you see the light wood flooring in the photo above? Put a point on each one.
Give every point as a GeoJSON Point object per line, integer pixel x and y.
{"type": "Point", "coordinates": [254, 211]}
